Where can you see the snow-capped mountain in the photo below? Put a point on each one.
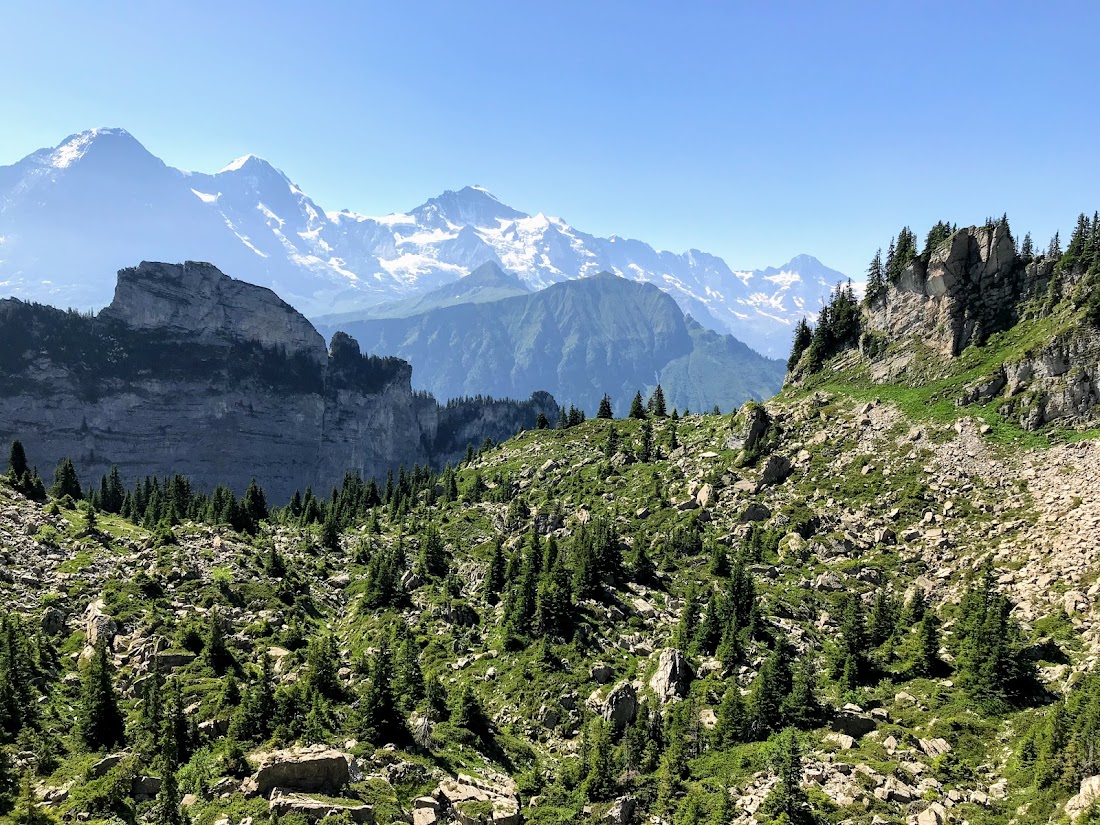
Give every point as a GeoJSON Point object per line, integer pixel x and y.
{"type": "Point", "coordinates": [72, 215]}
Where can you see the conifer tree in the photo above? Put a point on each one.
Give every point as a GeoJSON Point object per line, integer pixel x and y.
{"type": "Point", "coordinates": [27, 811]}
{"type": "Point", "coordinates": [9, 783]}
{"type": "Point", "coordinates": [100, 721]}
{"type": "Point", "coordinates": [928, 645]}
{"type": "Point", "coordinates": [494, 575]}
{"type": "Point", "coordinates": [787, 802]}
{"type": "Point", "coordinates": [732, 723]}
{"type": "Point", "coordinates": [802, 338]}
{"type": "Point", "coordinates": [645, 452]}
{"type": "Point", "coordinates": [600, 777]}
{"type": "Point", "coordinates": [167, 809]}
{"type": "Point", "coordinates": [876, 279]}
{"type": "Point", "coordinates": [65, 481]}
{"type": "Point", "coordinates": [637, 410]}
{"type": "Point", "coordinates": [772, 684]}
{"type": "Point", "coordinates": [656, 404]}
{"type": "Point", "coordinates": [17, 461]}
{"type": "Point", "coordinates": [379, 721]}
{"type": "Point", "coordinates": [605, 407]}
{"type": "Point", "coordinates": [542, 422]}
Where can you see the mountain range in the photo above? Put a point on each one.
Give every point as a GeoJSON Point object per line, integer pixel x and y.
{"type": "Point", "coordinates": [71, 214]}
{"type": "Point", "coordinates": [579, 339]}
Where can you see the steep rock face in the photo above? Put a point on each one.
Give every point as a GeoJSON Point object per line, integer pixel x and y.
{"type": "Point", "coordinates": [972, 287]}
{"type": "Point", "coordinates": [169, 394]}
{"type": "Point", "coordinates": [196, 300]}
{"type": "Point", "coordinates": [967, 289]}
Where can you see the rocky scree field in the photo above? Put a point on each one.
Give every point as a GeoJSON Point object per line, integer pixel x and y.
{"type": "Point", "coordinates": [826, 608]}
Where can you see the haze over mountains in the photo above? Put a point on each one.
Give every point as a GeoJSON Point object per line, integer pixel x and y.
{"type": "Point", "coordinates": [576, 339]}
{"type": "Point", "coordinates": [72, 215]}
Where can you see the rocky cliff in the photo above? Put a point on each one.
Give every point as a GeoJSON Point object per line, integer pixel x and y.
{"type": "Point", "coordinates": [1010, 328]}
{"type": "Point", "coordinates": [190, 371]}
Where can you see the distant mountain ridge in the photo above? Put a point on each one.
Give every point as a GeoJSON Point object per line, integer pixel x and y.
{"type": "Point", "coordinates": [576, 340]}
{"type": "Point", "coordinates": [100, 200]}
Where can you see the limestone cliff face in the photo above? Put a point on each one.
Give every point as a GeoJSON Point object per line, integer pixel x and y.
{"type": "Point", "coordinates": [966, 290]}
{"type": "Point", "coordinates": [195, 300]}
{"type": "Point", "coordinates": [973, 286]}
{"type": "Point", "coordinates": [191, 372]}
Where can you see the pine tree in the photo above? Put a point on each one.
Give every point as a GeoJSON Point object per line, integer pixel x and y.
{"type": "Point", "coordinates": [9, 783]}
{"type": "Point", "coordinates": [65, 481]}
{"type": "Point", "coordinates": [928, 647]}
{"type": "Point", "coordinates": [732, 723]}
{"type": "Point", "coordinates": [542, 422]}
{"type": "Point", "coordinates": [656, 404]}
{"type": "Point", "coordinates": [605, 407]}
{"type": "Point", "coordinates": [1027, 250]}
{"type": "Point", "coordinates": [379, 721]}
{"type": "Point", "coordinates": [167, 809]}
{"type": "Point", "coordinates": [773, 683]}
{"type": "Point", "coordinates": [645, 452]}
{"type": "Point", "coordinates": [876, 279]}
{"type": "Point", "coordinates": [17, 462]}
{"type": "Point", "coordinates": [787, 802]}
{"type": "Point", "coordinates": [802, 338]}
{"type": "Point", "coordinates": [637, 410]}
{"type": "Point", "coordinates": [100, 721]}
{"type": "Point", "coordinates": [801, 707]}
{"type": "Point", "coordinates": [599, 781]}
{"type": "Point", "coordinates": [494, 575]}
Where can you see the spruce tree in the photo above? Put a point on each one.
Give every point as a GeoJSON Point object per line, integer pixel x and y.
{"type": "Point", "coordinates": [928, 645]}
{"type": "Point", "coordinates": [494, 575]}
{"type": "Point", "coordinates": [732, 723]}
{"type": "Point", "coordinates": [9, 782]}
{"type": "Point", "coordinates": [100, 721]}
{"type": "Point", "coordinates": [876, 279]}
{"type": "Point", "coordinates": [167, 809]}
{"type": "Point", "coordinates": [599, 780]}
{"type": "Point", "coordinates": [802, 338]}
{"type": "Point", "coordinates": [656, 404]}
{"type": "Point", "coordinates": [379, 721]}
{"type": "Point", "coordinates": [605, 407]}
{"type": "Point", "coordinates": [17, 462]}
{"type": "Point", "coordinates": [637, 410]}
{"type": "Point", "coordinates": [787, 802]}
{"type": "Point", "coordinates": [65, 481]}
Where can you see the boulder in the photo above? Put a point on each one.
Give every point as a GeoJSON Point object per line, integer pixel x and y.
{"type": "Point", "coordinates": [852, 724]}
{"type": "Point", "coordinates": [53, 621]}
{"type": "Point", "coordinates": [98, 626]}
{"type": "Point", "coordinates": [934, 814]}
{"type": "Point", "coordinates": [475, 802]}
{"type": "Point", "coordinates": [621, 811]}
{"type": "Point", "coordinates": [750, 426]}
{"type": "Point", "coordinates": [776, 469]}
{"type": "Point", "coordinates": [283, 804]}
{"type": "Point", "coordinates": [755, 512]}
{"type": "Point", "coordinates": [601, 673]}
{"type": "Point", "coordinates": [673, 676]}
{"type": "Point", "coordinates": [621, 704]}
{"type": "Point", "coordinates": [317, 769]}
{"type": "Point", "coordinates": [144, 787]}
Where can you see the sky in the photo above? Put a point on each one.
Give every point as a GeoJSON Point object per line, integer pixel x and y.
{"type": "Point", "coordinates": [755, 131]}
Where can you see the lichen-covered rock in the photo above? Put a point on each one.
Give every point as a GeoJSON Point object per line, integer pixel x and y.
{"type": "Point", "coordinates": [316, 769]}
{"type": "Point", "coordinates": [673, 676]}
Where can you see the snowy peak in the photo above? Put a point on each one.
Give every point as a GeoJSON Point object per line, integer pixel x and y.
{"type": "Point", "coordinates": [102, 145]}
{"type": "Point", "coordinates": [99, 201]}
{"type": "Point", "coordinates": [471, 205]}
{"type": "Point", "coordinates": [252, 165]}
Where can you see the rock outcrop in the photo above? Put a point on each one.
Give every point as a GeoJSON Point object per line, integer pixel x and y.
{"type": "Point", "coordinates": [673, 676]}
{"type": "Point", "coordinates": [317, 770]}
{"type": "Point", "coordinates": [967, 290]}
{"type": "Point", "coordinates": [189, 371]}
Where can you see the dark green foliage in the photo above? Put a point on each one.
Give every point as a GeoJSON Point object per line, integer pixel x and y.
{"type": "Point", "coordinates": [937, 235]}
{"type": "Point", "coordinates": [637, 410]}
{"type": "Point", "coordinates": [432, 560]}
{"type": "Point", "coordinates": [876, 280]}
{"type": "Point", "coordinates": [656, 406]}
{"type": "Point", "coordinates": [838, 327]}
{"type": "Point", "coordinates": [100, 721]}
{"type": "Point", "coordinates": [773, 683]}
{"type": "Point", "coordinates": [901, 254]}
{"type": "Point", "coordinates": [379, 720]}
{"type": "Point", "coordinates": [990, 660]}
{"type": "Point", "coordinates": [787, 802]}
{"type": "Point", "coordinates": [17, 461]}
{"type": "Point", "coordinates": [605, 407]}
{"type": "Point", "coordinates": [27, 810]}
{"type": "Point", "coordinates": [1063, 747]}
{"type": "Point", "coordinates": [322, 664]}
{"type": "Point", "coordinates": [850, 662]}
{"type": "Point", "coordinates": [599, 780]}
{"type": "Point", "coordinates": [803, 335]}
{"type": "Point", "coordinates": [732, 725]}
{"type": "Point", "coordinates": [65, 481]}
{"type": "Point", "coordinates": [167, 809]}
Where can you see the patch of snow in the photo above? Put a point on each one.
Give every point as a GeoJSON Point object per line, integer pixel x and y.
{"type": "Point", "coordinates": [205, 197]}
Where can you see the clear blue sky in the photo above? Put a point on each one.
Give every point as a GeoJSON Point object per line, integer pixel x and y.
{"type": "Point", "coordinates": [755, 131]}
